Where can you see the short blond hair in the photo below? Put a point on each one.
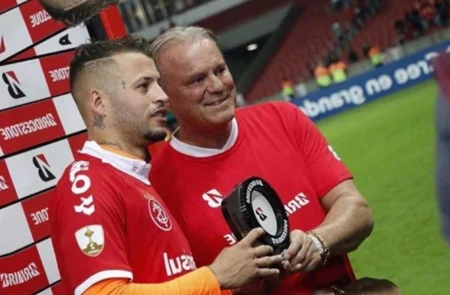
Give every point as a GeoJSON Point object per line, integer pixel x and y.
{"type": "Point", "coordinates": [190, 34]}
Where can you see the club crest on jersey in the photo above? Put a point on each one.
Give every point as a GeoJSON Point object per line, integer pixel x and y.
{"type": "Point", "coordinates": [91, 239]}
{"type": "Point", "coordinates": [159, 215]}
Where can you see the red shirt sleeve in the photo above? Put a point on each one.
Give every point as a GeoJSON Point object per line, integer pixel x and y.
{"type": "Point", "coordinates": [324, 164]}
{"type": "Point", "coordinates": [88, 228]}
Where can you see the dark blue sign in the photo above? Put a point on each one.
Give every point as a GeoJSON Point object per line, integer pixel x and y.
{"type": "Point", "coordinates": [377, 83]}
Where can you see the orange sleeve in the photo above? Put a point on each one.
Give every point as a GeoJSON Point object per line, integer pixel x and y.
{"type": "Point", "coordinates": [199, 282]}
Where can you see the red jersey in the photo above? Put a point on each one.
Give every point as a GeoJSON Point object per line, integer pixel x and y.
{"type": "Point", "coordinates": [274, 141]}
{"type": "Point", "coordinates": [107, 221]}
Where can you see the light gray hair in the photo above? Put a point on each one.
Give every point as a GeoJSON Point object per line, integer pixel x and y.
{"type": "Point", "coordinates": [191, 34]}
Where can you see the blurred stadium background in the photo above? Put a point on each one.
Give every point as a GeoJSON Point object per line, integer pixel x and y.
{"type": "Point", "coordinates": [361, 69]}
{"type": "Point", "coordinates": [279, 49]}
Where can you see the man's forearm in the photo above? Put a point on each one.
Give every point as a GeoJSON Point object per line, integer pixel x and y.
{"type": "Point", "coordinates": [348, 223]}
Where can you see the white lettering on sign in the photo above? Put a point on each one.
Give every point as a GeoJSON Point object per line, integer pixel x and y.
{"type": "Point", "coordinates": [27, 127]}
{"type": "Point", "coordinates": [19, 277]}
{"type": "Point", "coordinates": [60, 74]}
{"type": "Point", "coordinates": [40, 216]}
{"type": "Point", "coordinates": [353, 95]}
{"type": "Point", "coordinates": [39, 18]}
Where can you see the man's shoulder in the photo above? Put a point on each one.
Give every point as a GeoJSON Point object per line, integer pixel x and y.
{"type": "Point", "coordinates": [84, 170]}
{"type": "Point", "coordinates": [277, 114]}
{"type": "Point", "coordinates": [266, 109]}
{"type": "Point", "coordinates": [163, 157]}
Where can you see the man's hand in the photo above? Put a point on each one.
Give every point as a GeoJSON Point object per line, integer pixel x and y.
{"type": "Point", "coordinates": [302, 254]}
{"type": "Point", "coordinates": [242, 263]}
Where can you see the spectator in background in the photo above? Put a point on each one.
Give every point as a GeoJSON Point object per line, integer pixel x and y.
{"type": "Point", "coordinates": [322, 74]}
{"type": "Point", "coordinates": [376, 56]}
{"type": "Point", "coordinates": [416, 20]}
{"type": "Point", "coordinates": [365, 50]}
{"type": "Point", "coordinates": [428, 14]}
{"type": "Point", "coordinates": [288, 89]}
{"type": "Point", "coordinates": [353, 56]}
{"type": "Point", "coordinates": [442, 8]}
{"type": "Point", "coordinates": [338, 71]}
{"type": "Point", "coordinates": [442, 71]}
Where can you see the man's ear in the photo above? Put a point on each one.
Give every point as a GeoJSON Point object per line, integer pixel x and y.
{"type": "Point", "coordinates": [97, 102]}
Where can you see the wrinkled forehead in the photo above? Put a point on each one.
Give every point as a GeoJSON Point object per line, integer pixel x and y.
{"type": "Point", "coordinates": [189, 57]}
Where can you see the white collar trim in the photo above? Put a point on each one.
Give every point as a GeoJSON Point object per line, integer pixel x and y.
{"type": "Point", "coordinates": [138, 169]}
{"type": "Point", "coordinates": [201, 152]}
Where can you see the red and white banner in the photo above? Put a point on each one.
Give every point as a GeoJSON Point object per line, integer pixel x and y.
{"type": "Point", "coordinates": [40, 167]}
{"type": "Point", "coordinates": [38, 123]}
{"type": "Point", "coordinates": [56, 70]}
{"type": "Point", "coordinates": [56, 289]}
{"type": "Point", "coordinates": [7, 191]}
{"type": "Point", "coordinates": [30, 270]}
{"type": "Point", "coordinates": [36, 170]}
{"type": "Point", "coordinates": [34, 80]}
{"type": "Point", "coordinates": [24, 26]}
{"type": "Point", "coordinates": [66, 40]}
{"type": "Point", "coordinates": [27, 223]}
{"type": "Point", "coordinates": [8, 4]}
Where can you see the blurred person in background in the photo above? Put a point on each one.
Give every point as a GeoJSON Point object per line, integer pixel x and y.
{"type": "Point", "coordinates": [442, 73]}
{"type": "Point", "coordinates": [338, 70]}
{"type": "Point", "coordinates": [288, 89]}
{"type": "Point", "coordinates": [218, 146]}
{"type": "Point", "coordinates": [322, 74]}
{"type": "Point", "coordinates": [376, 56]}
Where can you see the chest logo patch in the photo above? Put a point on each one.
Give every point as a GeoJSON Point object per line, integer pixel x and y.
{"type": "Point", "coordinates": [159, 215]}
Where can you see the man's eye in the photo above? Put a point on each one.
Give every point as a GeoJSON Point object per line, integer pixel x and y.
{"type": "Point", "coordinates": [143, 86]}
{"type": "Point", "coordinates": [197, 80]}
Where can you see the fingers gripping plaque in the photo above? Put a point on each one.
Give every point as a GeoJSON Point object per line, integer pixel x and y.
{"type": "Point", "coordinates": [254, 203]}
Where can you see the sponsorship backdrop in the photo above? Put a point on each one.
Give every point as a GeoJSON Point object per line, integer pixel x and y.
{"type": "Point", "coordinates": [40, 132]}
{"type": "Point", "coordinates": [378, 83]}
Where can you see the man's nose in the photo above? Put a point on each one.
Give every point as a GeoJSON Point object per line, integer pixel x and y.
{"type": "Point", "coordinates": [160, 95]}
{"type": "Point", "coordinates": [215, 84]}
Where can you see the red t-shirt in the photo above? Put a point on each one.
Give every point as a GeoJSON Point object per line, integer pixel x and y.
{"type": "Point", "coordinates": [274, 141]}
{"type": "Point", "coordinates": [107, 221]}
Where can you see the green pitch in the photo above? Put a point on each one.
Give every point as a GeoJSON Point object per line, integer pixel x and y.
{"type": "Point", "coordinates": [389, 146]}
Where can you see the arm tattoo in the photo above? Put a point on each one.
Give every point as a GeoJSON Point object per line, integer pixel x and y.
{"type": "Point", "coordinates": [123, 84]}
{"type": "Point", "coordinates": [98, 121]}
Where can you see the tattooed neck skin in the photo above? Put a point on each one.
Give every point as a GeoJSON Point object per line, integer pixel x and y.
{"type": "Point", "coordinates": [115, 144]}
{"type": "Point", "coordinates": [98, 121]}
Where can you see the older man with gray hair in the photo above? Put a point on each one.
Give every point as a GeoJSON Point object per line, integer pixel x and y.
{"type": "Point", "coordinates": [218, 146]}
